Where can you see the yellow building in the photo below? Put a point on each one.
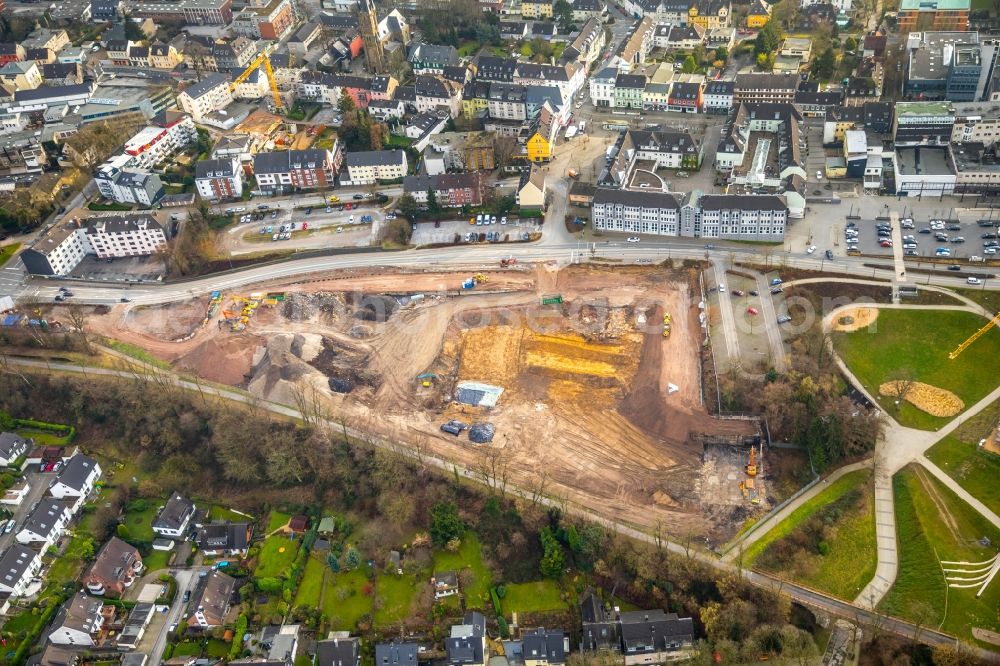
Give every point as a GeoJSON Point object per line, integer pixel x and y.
{"type": "Point", "coordinates": [710, 14]}
{"type": "Point", "coordinates": [536, 9]}
{"type": "Point", "coordinates": [759, 14]}
{"type": "Point", "coordinates": [542, 136]}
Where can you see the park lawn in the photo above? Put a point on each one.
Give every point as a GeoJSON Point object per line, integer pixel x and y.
{"type": "Point", "coordinates": [225, 514]}
{"type": "Point", "coordinates": [469, 555]}
{"type": "Point", "coordinates": [837, 489]}
{"type": "Point", "coordinates": [925, 536]}
{"type": "Point", "coordinates": [960, 457]}
{"type": "Point", "coordinates": [312, 582]}
{"type": "Point", "coordinates": [277, 519]}
{"type": "Point", "coordinates": [344, 599]}
{"type": "Point", "coordinates": [396, 594]}
{"type": "Point", "coordinates": [543, 595]}
{"type": "Point", "coordinates": [919, 341]}
{"type": "Point", "coordinates": [276, 556]}
{"type": "Point", "coordinates": [140, 523]}
{"type": "Point", "coordinates": [8, 251]}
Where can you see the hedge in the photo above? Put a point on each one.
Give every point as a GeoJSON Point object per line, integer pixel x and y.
{"type": "Point", "coordinates": [238, 631]}
{"type": "Point", "coordinates": [67, 431]}
{"type": "Point", "coordinates": [21, 654]}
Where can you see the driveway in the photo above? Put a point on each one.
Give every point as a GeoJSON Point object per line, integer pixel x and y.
{"type": "Point", "coordinates": [154, 641]}
{"type": "Point", "coordinates": [39, 484]}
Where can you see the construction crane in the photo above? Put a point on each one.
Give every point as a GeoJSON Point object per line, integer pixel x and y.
{"type": "Point", "coordinates": [262, 58]}
{"type": "Point", "coordinates": [975, 336]}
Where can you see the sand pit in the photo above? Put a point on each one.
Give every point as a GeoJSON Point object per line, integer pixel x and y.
{"type": "Point", "coordinates": [855, 319]}
{"type": "Point", "coordinates": [167, 322]}
{"type": "Point", "coordinates": [931, 399]}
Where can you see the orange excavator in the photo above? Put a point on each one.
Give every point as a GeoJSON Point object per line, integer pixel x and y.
{"type": "Point", "coordinates": [752, 466]}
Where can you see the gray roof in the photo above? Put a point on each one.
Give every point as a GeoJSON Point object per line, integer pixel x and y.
{"type": "Point", "coordinates": [14, 562]}
{"type": "Point", "coordinates": [654, 631]}
{"type": "Point", "coordinates": [638, 199]}
{"type": "Point", "coordinates": [174, 512]}
{"type": "Point", "coordinates": [433, 54]}
{"type": "Point", "coordinates": [544, 645]}
{"type": "Point", "coordinates": [215, 169]}
{"type": "Point", "coordinates": [12, 445]}
{"type": "Point", "coordinates": [742, 202]}
{"type": "Point", "coordinates": [77, 471]}
{"type": "Point", "coordinates": [396, 654]}
{"type": "Point", "coordinates": [283, 161]}
{"type": "Point", "coordinates": [375, 158]}
{"type": "Point", "coordinates": [211, 81]}
{"type": "Point", "coordinates": [224, 536]}
{"type": "Point", "coordinates": [117, 224]}
{"type": "Point", "coordinates": [43, 519]}
{"type": "Point", "coordinates": [337, 652]}
{"type": "Point", "coordinates": [44, 92]}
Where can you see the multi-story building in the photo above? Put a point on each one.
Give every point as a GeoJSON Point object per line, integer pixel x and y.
{"type": "Point", "coordinates": [638, 45]}
{"type": "Point", "coordinates": [568, 77]}
{"type": "Point", "coordinates": [685, 97]}
{"type": "Point", "coordinates": [115, 568]}
{"type": "Point", "coordinates": [291, 170]}
{"type": "Point", "coordinates": [20, 75]}
{"type": "Point", "coordinates": [265, 20]}
{"type": "Point", "coordinates": [191, 12]}
{"type": "Point", "coordinates": [453, 190]}
{"type": "Point", "coordinates": [78, 622]}
{"type": "Point", "coordinates": [369, 167]}
{"type": "Point", "coordinates": [602, 87]}
{"type": "Point", "coordinates": [155, 143]}
{"type": "Point", "coordinates": [921, 15]}
{"type": "Point", "coordinates": [57, 252]}
{"type": "Point", "coordinates": [656, 148]}
{"type": "Point", "coordinates": [210, 94]}
{"type": "Point", "coordinates": [11, 51]}
{"type": "Point", "coordinates": [709, 14]}
{"type": "Point", "coordinates": [434, 93]}
{"type": "Point", "coordinates": [431, 58]}
{"type": "Point", "coordinates": [743, 217]}
{"type": "Point", "coordinates": [586, 47]}
{"type": "Point", "coordinates": [495, 70]}
{"type": "Point", "coordinates": [18, 566]}
{"type": "Point", "coordinates": [127, 235]}
{"type": "Point", "coordinates": [923, 123]}
{"type": "Point", "coordinates": [718, 96]}
{"type": "Point", "coordinates": [956, 66]}
{"type": "Point", "coordinates": [506, 101]}
{"type": "Point", "coordinates": [536, 9]}
{"type": "Point", "coordinates": [164, 56]}
{"type": "Point", "coordinates": [628, 91]}
{"type": "Point", "coordinates": [122, 184]}
{"type": "Point", "coordinates": [584, 10]}
{"type": "Point", "coordinates": [541, 135]}
{"type": "Point", "coordinates": [768, 88]}
{"type": "Point", "coordinates": [219, 179]}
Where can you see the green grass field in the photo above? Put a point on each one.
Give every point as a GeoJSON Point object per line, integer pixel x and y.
{"type": "Point", "coordinates": [470, 554]}
{"type": "Point", "coordinates": [341, 597]}
{"type": "Point", "coordinates": [276, 556]}
{"type": "Point", "coordinates": [277, 519]}
{"type": "Point", "coordinates": [137, 353]}
{"type": "Point", "coordinates": [960, 457]}
{"type": "Point", "coordinates": [157, 559]}
{"type": "Point", "coordinates": [222, 513]}
{"type": "Point", "coordinates": [534, 597]}
{"type": "Point", "coordinates": [312, 582]}
{"type": "Point", "coordinates": [932, 523]}
{"type": "Point", "coordinates": [396, 594]}
{"type": "Point", "coordinates": [43, 437]}
{"type": "Point", "coordinates": [140, 523]}
{"type": "Point", "coordinates": [852, 558]}
{"type": "Point", "coordinates": [918, 342]}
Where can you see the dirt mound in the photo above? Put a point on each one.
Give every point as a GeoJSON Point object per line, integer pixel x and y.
{"type": "Point", "coordinates": [376, 308]}
{"type": "Point", "coordinates": [339, 360]}
{"type": "Point", "coordinates": [222, 360]}
{"type": "Point", "coordinates": [167, 322]}
{"type": "Point", "coordinates": [931, 399]}
{"type": "Point", "coordinates": [320, 306]}
{"type": "Point", "coordinates": [855, 319]}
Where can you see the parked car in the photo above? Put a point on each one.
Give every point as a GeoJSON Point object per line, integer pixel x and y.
{"type": "Point", "coordinates": [738, 292]}
{"type": "Point", "coordinates": [632, 239]}
{"type": "Point", "coordinates": [777, 290]}
{"type": "Point", "coordinates": [784, 319]}
{"type": "Point", "coordinates": [810, 249]}
{"type": "Point", "coordinates": [829, 254]}
{"type": "Point", "coordinates": [358, 197]}
{"type": "Point", "coordinates": [775, 282]}
{"type": "Point", "coordinates": [954, 267]}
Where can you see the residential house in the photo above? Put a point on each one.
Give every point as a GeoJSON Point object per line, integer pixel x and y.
{"type": "Point", "coordinates": [506, 101]}
{"type": "Point", "coordinates": [280, 643]}
{"type": "Point", "coordinates": [219, 180]}
{"type": "Point", "coordinates": [601, 631]}
{"type": "Point", "coordinates": [434, 92]}
{"type": "Point", "coordinates": [291, 170]}
{"type": "Point", "coordinates": [15, 495]}
{"type": "Point", "coordinates": [370, 167]}
{"type": "Point", "coordinates": [495, 70]}
{"type": "Point", "coordinates": [210, 602]}
{"type": "Point", "coordinates": [541, 135]}
{"type": "Point", "coordinates": [710, 14]}
{"type": "Point", "coordinates": [467, 644]}
{"type": "Point", "coordinates": [536, 9]}
{"type": "Point", "coordinates": [587, 45]}
{"type": "Point", "coordinates": [685, 97]}
{"type": "Point", "coordinates": [18, 566]}
{"type": "Point", "coordinates": [20, 75]}
{"type": "Point", "coordinates": [128, 186]}
{"type": "Point", "coordinates": [115, 568]}
{"type": "Point", "coordinates": [584, 10]}
{"type": "Point", "coordinates": [452, 190]}
{"type": "Point", "coordinates": [105, 11]}
{"type": "Point", "coordinates": [718, 96]}
{"type": "Point", "coordinates": [46, 38]}
{"type": "Point", "coordinates": [62, 74]}
{"type": "Point", "coordinates": [765, 88]}
{"type": "Point", "coordinates": [210, 94]}
{"type": "Point", "coordinates": [568, 77]}
{"type": "Point", "coordinates": [531, 188]}
{"type": "Point", "coordinates": [541, 647]}
{"type": "Point", "coordinates": [602, 87]}
{"type": "Point", "coordinates": [654, 636]}
{"type": "Point", "coordinates": [221, 539]}
{"type": "Point", "coordinates": [12, 447]}
{"type": "Point", "coordinates": [759, 14]}
{"type": "Point", "coordinates": [396, 654]}
{"type": "Point", "coordinates": [338, 652]}
{"type": "Point", "coordinates": [11, 51]}
{"type": "Point", "coordinates": [175, 517]}
{"type": "Point", "coordinates": [76, 480]}
{"type": "Point", "coordinates": [386, 109]}
{"type": "Point", "coordinates": [628, 91]}
{"type": "Point", "coordinates": [513, 31]}
{"type": "Point", "coordinates": [164, 56]}
{"type": "Point", "coordinates": [78, 621]}
{"type": "Point", "coordinates": [431, 58]}
{"type": "Point", "coordinates": [445, 584]}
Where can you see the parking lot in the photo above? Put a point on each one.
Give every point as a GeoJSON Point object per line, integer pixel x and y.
{"type": "Point", "coordinates": [427, 233]}
{"type": "Point", "coordinates": [123, 269]}
{"type": "Point", "coordinates": [921, 240]}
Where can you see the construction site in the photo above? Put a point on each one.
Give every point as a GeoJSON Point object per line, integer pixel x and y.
{"type": "Point", "coordinates": [585, 384]}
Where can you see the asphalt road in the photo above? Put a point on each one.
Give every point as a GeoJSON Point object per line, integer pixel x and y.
{"type": "Point", "coordinates": [798, 593]}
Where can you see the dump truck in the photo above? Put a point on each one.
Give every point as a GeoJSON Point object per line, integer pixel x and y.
{"type": "Point", "coordinates": [479, 278]}
{"type": "Point", "coordinates": [469, 284]}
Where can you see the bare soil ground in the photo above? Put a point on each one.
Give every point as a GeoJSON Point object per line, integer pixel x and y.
{"type": "Point", "coordinates": [856, 319]}
{"type": "Point", "coordinates": [585, 412]}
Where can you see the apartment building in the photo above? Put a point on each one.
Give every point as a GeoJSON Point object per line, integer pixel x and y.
{"type": "Point", "coordinates": [207, 96]}
{"type": "Point", "coordinates": [155, 143]}
{"type": "Point", "coordinates": [291, 170]}
{"type": "Point", "coordinates": [272, 20]}
{"type": "Point", "coordinates": [219, 180]}
{"type": "Point", "coordinates": [369, 167]}
{"type": "Point", "coordinates": [127, 235]}
{"type": "Point", "coordinates": [126, 185]}
{"type": "Point", "coordinates": [506, 101]}
{"type": "Point", "coordinates": [780, 88]}
{"type": "Point", "coordinates": [452, 190]}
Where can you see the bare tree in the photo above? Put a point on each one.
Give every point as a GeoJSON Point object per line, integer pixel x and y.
{"type": "Point", "coordinates": [494, 468]}
{"type": "Point", "coordinates": [903, 384]}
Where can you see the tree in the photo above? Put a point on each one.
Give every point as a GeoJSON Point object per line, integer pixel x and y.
{"type": "Point", "coordinates": [690, 65]}
{"type": "Point", "coordinates": [408, 207]}
{"type": "Point", "coordinates": [445, 523]}
{"type": "Point", "coordinates": [722, 53]}
{"type": "Point", "coordinates": [823, 65]}
{"type": "Point", "coordinates": [346, 105]}
{"type": "Point", "coordinates": [433, 206]}
{"type": "Point", "coordinates": [504, 150]}
{"type": "Point", "coordinates": [562, 12]}
{"type": "Point", "coordinates": [850, 44]}
{"type": "Point", "coordinates": [768, 39]}
{"type": "Point", "coordinates": [785, 14]}
{"type": "Point", "coordinates": [764, 61]}
{"type": "Point", "coordinates": [552, 563]}
{"type": "Point", "coordinates": [352, 559]}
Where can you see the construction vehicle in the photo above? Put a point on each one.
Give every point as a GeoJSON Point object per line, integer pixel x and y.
{"type": "Point", "coordinates": [554, 299]}
{"type": "Point", "coordinates": [666, 317]}
{"type": "Point", "coordinates": [479, 278]}
{"type": "Point", "coordinates": [572, 173]}
{"type": "Point", "coordinates": [975, 336]}
{"type": "Point", "coordinates": [469, 284]}
{"type": "Point", "coordinates": [752, 466]}
{"type": "Point", "coordinates": [508, 261]}
{"type": "Point", "coordinates": [666, 330]}
{"type": "Point", "coordinates": [262, 58]}
{"type": "Point", "coordinates": [426, 379]}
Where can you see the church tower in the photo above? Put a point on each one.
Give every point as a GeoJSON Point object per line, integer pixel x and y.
{"type": "Point", "coordinates": [368, 25]}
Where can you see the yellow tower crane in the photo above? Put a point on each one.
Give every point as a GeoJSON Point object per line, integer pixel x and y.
{"type": "Point", "coordinates": [262, 58]}
{"type": "Point", "coordinates": [975, 336]}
